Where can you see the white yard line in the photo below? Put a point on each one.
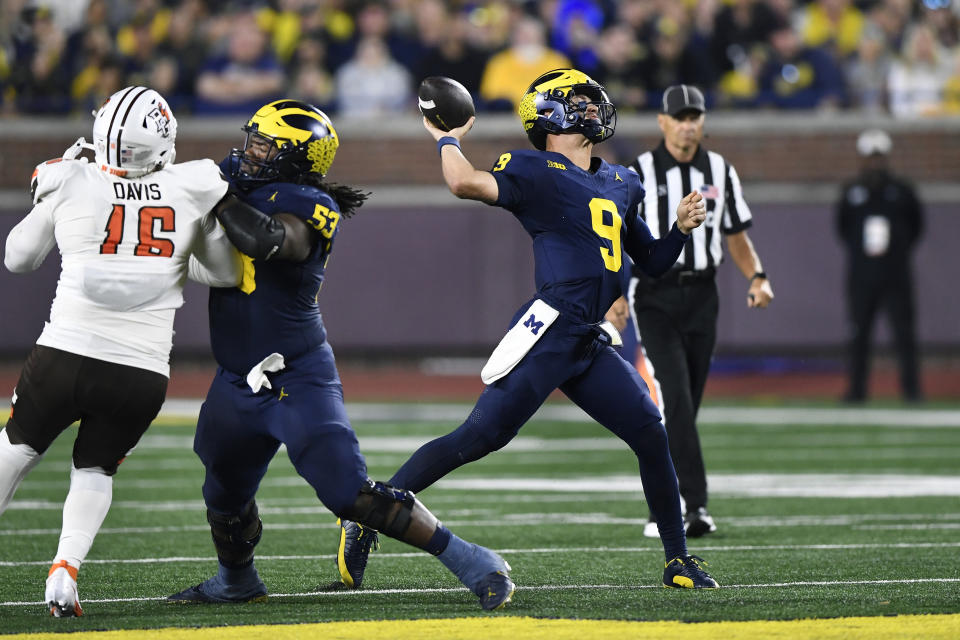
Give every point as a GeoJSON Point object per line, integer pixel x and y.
{"type": "Point", "coordinates": [547, 587]}
{"type": "Point", "coordinates": [807, 485]}
{"type": "Point", "coordinates": [488, 517]}
{"type": "Point", "coordinates": [456, 413]}
{"type": "Point", "coordinates": [654, 548]}
{"type": "Point", "coordinates": [793, 485]}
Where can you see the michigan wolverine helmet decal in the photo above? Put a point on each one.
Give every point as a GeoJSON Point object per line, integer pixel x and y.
{"type": "Point", "coordinates": [286, 139]}
{"type": "Point", "coordinates": [134, 133]}
{"type": "Point", "coordinates": [550, 105]}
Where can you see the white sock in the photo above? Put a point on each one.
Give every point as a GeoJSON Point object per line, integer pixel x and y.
{"type": "Point", "coordinates": [16, 461]}
{"type": "Point", "coordinates": [87, 503]}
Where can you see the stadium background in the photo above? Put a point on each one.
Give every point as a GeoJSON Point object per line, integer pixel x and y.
{"type": "Point", "coordinates": [420, 285]}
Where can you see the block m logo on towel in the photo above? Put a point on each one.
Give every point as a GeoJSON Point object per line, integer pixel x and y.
{"type": "Point", "coordinates": [533, 324]}
{"type": "Point", "coordinates": [518, 341]}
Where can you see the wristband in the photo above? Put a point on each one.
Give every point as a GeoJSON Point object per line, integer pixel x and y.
{"type": "Point", "coordinates": [447, 140]}
{"type": "Point", "coordinates": [758, 274]}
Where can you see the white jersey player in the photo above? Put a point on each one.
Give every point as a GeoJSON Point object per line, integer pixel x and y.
{"type": "Point", "coordinates": [130, 228]}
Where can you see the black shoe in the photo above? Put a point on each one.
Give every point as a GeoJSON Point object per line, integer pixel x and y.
{"type": "Point", "coordinates": [213, 591]}
{"type": "Point", "coordinates": [355, 544]}
{"type": "Point", "coordinates": [698, 523]}
{"type": "Point", "coordinates": [686, 572]}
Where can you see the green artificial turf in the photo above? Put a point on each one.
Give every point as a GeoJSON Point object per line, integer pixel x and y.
{"type": "Point", "coordinates": [576, 549]}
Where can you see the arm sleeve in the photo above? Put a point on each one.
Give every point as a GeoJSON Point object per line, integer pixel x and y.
{"type": "Point", "coordinates": [31, 240]}
{"type": "Point", "coordinates": [251, 231]}
{"type": "Point", "coordinates": [513, 178]}
{"type": "Point", "coordinates": [214, 262]}
{"type": "Point", "coordinates": [654, 257]}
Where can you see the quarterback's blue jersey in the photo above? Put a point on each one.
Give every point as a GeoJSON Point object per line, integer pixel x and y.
{"type": "Point", "coordinates": [274, 309]}
{"type": "Point", "coordinates": [579, 221]}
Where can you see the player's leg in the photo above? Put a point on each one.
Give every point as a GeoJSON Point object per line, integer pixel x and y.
{"type": "Point", "coordinates": [118, 403]}
{"type": "Point", "coordinates": [233, 442]}
{"type": "Point", "coordinates": [665, 347]}
{"type": "Point", "coordinates": [312, 422]}
{"type": "Point", "coordinates": [502, 408]}
{"type": "Point", "coordinates": [42, 408]}
{"type": "Point", "coordinates": [16, 461]}
{"type": "Point", "coordinates": [398, 514]}
{"type": "Point", "coordinates": [613, 394]}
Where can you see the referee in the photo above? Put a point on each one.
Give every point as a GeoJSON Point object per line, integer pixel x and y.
{"type": "Point", "coordinates": [676, 314]}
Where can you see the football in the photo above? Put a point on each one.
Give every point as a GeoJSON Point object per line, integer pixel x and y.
{"type": "Point", "coordinates": [445, 102]}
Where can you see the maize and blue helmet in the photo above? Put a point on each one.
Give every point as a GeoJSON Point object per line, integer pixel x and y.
{"type": "Point", "coordinates": [548, 106]}
{"type": "Point", "coordinates": [304, 139]}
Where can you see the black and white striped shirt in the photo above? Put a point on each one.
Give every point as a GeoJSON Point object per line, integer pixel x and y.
{"type": "Point", "coordinates": [667, 181]}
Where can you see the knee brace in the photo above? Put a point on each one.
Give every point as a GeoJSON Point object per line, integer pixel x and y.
{"type": "Point", "coordinates": [384, 508]}
{"type": "Point", "coordinates": [235, 536]}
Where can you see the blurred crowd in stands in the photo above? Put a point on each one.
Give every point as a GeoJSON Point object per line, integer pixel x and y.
{"type": "Point", "coordinates": [362, 58]}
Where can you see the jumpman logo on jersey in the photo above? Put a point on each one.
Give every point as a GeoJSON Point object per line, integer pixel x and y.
{"type": "Point", "coordinates": [273, 197]}
{"type": "Point", "coordinates": [617, 176]}
{"type": "Point", "coordinates": [534, 325]}
{"type": "Point", "coordinates": [283, 394]}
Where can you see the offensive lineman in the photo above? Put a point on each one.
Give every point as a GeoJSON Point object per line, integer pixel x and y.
{"type": "Point", "coordinates": [581, 213]}
{"type": "Point", "coordinates": [130, 228]}
{"type": "Point", "coordinates": [277, 381]}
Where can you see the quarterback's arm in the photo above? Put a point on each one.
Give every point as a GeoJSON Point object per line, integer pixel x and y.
{"type": "Point", "coordinates": [282, 236]}
{"type": "Point", "coordinates": [31, 240]}
{"type": "Point", "coordinates": [464, 180]}
{"type": "Point", "coordinates": [656, 256]}
{"type": "Point", "coordinates": [745, 257]}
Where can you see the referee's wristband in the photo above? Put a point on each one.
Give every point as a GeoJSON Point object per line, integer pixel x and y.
{"type": "Point", "coordinates": [447, 140]}
{"type": "Point", "coordinates": [758, 274]}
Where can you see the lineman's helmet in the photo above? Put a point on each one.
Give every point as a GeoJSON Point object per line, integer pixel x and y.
{"type": "Point", "coordinates": [548, 107]}
{"type": "Point", "coordinates": [134, 133]}
{"type": "Point", "coordinates": [303, 136]}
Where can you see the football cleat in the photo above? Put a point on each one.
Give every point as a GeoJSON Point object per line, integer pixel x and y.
{"type": "Point", "coordinates": [61, 593]}
{"type": "Point", "coordinates": [215, 591]}
{"type": "Point", "coordinates": [686, 572]}
{"type": "Point", "coordinates": [356, 541]}
{"type": "Point", "coordinates": [495, 590]}
{"type": "Point", "coordinates": [698, 523]}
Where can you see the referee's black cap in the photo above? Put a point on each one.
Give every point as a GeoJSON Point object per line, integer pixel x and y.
{"type": "Point", "coordinates": [682, 97]}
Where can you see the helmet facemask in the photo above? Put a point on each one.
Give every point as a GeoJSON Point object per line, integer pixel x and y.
{"type": "Point", "coordinates": [555, 103]}
{"type": "Point", "coordinates": [563, 110]}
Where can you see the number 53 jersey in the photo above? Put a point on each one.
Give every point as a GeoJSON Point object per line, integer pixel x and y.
{"type": "Point", "coordinates": [275, 309]}
{"type": "Point", "coordinates": [125, 247]}
{"type": "Point", "coordinates": [578, 221]}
